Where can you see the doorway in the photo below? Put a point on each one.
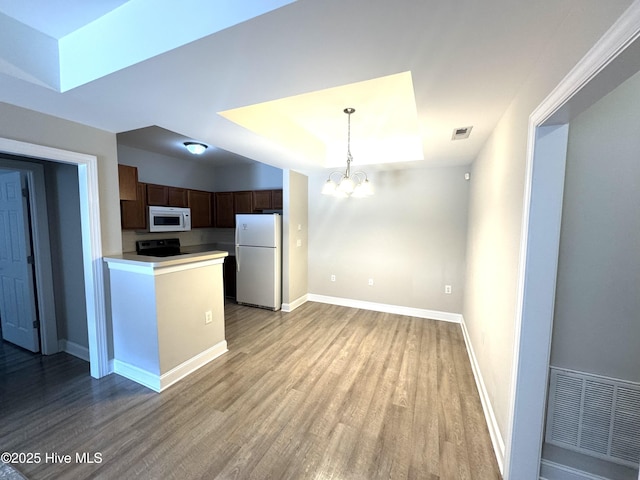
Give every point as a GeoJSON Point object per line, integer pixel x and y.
{"type": "Point", "coordinates": [94, 281]}
{"type": "Point", "coordinates": [612, 61]}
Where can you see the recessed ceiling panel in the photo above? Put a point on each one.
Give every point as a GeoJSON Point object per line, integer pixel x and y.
{"type": "Point", "coordinates": [384, 127]}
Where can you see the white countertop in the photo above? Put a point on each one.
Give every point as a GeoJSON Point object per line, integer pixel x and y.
{"type": "Point", "coordinates": [190, 256]}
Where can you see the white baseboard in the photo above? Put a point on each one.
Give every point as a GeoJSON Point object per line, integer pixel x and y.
{"type": "Point", "coordinates": [158, 383]}
{"type": "Point", "coordinates": [386, 308]}
{"type": "Point", "coordinates": [138, 375]}
{"type": "Point", "coordinates": [489, 415]}
{"type": "Point", "coordinates": [74, 349]}
{"type": "Point", "coordinates": [290, 307]}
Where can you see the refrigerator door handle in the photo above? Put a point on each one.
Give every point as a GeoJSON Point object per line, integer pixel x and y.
{"type": "Point", "coordinates": [237, 251]}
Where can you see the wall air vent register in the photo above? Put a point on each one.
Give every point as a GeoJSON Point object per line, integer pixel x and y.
{"type": "Point", "coordinates": [594, 415]}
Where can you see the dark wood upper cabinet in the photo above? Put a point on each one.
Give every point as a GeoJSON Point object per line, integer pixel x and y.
{"type": "Point", "coordinates": [178, 197]}
{"type": "Point", "coordinates": [134, 212]}
{"type": "Point", "coordinates": [128, 182]}
{"type": "Point", "coordinates": [276, 199]}
{"type": "Point", "coordinates": [262, 200]}
{"type": "Point", "coordinates": [157, 195]}
{"type": "Point", "coordinates": [208, 209]}
{"type": "Point", "coordinates": [200, 205]}
{"type": "Point", "coordinates": [243, 202]}
{"type": "Point", "coordinates": [224, 213]}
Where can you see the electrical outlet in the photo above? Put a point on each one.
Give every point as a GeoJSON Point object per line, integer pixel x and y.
{"type": "Point", "coordinates": [371, 282]}
{"type": "Point", "coordinates": [208, 317]}
{"type": "Point", "coordinates": [447, 289]}
{"type": "Point", "coordinates": [333, 278]}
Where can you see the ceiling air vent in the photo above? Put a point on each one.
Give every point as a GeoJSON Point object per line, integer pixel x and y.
{"type": "Point", "coordinates": [461, 133]}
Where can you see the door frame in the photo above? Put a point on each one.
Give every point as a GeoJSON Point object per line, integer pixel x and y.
{"type": "Point", "coordinates": [94, 280]}
{"type": "Point", "coordinates": [608, 64]}
{"type": "Point", "coordinates": [41, 251]}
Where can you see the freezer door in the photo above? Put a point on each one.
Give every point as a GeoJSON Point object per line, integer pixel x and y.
{"type": "Point", "coordinates": [258, 230]}
{"type": "Point", "coordinates": [258, 279]}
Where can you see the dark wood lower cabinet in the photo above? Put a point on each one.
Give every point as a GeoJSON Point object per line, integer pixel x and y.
{"type": "Point", "coordinates": [229, 273]}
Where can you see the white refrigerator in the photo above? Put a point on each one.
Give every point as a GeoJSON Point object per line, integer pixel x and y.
{"type": "Point", "coordinates": [259, 260]}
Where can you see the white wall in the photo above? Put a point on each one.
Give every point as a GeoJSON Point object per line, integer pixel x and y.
{"type": "Point", "coordinates": [496, 207]}
{"type": "Point", "coordinates": [596, 327]}
{"type": "Point", "coordinates": [410, 237]}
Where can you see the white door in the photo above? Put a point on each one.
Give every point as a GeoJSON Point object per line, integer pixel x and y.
{"type": "Point", "coordinates": [257, 230]}
{"type": "Point", "coordinates": [257, 278]}
{"type": "Point", "coordinates": [17, 296]}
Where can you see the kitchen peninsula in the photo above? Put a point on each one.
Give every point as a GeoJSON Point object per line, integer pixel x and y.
{"type": "Point", "coordinates": [168, 315]}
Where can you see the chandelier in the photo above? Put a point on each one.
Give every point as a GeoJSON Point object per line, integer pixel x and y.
{"type": "Point", "coordinates": [348, 183]}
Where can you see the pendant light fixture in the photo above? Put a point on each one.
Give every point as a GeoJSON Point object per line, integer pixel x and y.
{"type": "Point", "coordinates": [354, 184]}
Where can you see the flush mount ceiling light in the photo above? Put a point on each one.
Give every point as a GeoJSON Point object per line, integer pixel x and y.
{"type": "Point", "coordinates": [195, 147]}
{"type": "Point", "coordinates": [354, 184]}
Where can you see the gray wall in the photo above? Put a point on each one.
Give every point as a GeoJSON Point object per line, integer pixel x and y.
{"type": "Point", "coordinates": [496, 212]}
{"type": "Point", "coordinates": [410, 237]}
{"type": "Point", "coordinates": [199, 175]}
{"type": "Point", "coordinates": [596, 324]}
{"type": "Point", "coordinates": [164, 170]}
{"type": "Point", "coordinates": [253, 176]}
{"type": "Point", "coordinates": [63, 207]}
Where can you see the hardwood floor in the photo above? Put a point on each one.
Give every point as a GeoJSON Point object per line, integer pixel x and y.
{"type": "Point", "coordinates": [324, 392]}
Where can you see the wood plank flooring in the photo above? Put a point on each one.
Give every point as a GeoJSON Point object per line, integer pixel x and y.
{"type": "Point", "coordinates": [324, 392]}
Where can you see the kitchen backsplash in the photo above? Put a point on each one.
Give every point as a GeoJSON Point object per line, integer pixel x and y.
{"type": "Point", "coordinates": [197, 236]}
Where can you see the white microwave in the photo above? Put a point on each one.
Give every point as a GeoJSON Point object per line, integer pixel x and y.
{"type": "Point", "coordinates": [169, 219]}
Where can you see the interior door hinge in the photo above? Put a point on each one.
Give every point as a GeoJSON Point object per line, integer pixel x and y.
{"type": "Point", "coordinates": [25, 192]}
{"type": "Point", "coordinates": [30, 259]}
{"type": "Point", "coordinates": [36, 324]}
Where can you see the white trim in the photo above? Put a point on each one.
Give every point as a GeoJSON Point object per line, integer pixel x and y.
{"type": "Point", "coordinates": [137, 374]}
{"type": "Point", "coordinates": [91, 242]}
{"type": "Point", "coordinates": [290, 307]}
{"type": "Point", "coordinates": [386, 308]}
{"type": "Point", "coordinates": [557, 471]}
{"type": "Point", "coordinates": [158, 383]}
{"type": "Point", "coordinates": [73, 348]}
{"type": "Point", "coordinates": [524, 425]}
{"type": "Point", "coordinates": [191, 365]}
{"type": "Point", "coordinates": [489, 414]}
